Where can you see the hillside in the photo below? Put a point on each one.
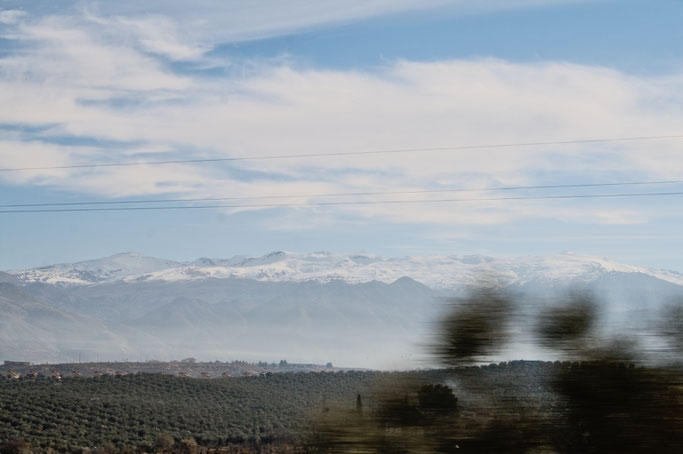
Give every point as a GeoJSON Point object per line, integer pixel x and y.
{"type": "Point", "coordinates": [354, 310]}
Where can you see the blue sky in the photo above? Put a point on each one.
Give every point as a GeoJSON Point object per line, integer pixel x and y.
{"type": "Point", "coordinates": [102, 82]}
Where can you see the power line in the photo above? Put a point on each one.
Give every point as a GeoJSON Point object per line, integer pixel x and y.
{"type": "Point", "coordinates": [343, 153]}
{"type": "Point", "coordinates": [346, 194]}
{"type": "Point", "coordinates": [361, 202]}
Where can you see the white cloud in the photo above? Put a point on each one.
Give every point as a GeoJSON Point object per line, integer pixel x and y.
{"type": "Point", "coordinates": [11, 16]}
{"type": "Point", "coordinates": [179, 31]}
{"type": "Point", "coordinates": [69, 56]}
{"type": "Point", "coordinates": [107, 80]}
{"type": "Point", "coordinates": [213, 22]}
{"type": "Point", "coordinates": [154, 34]}
{"type": "Point", "coordinates": [622, 217]}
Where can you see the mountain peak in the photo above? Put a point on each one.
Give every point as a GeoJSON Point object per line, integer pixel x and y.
{"type": "Point", "coordinates": [97, 270]}
{"type": "Point", "coordinates": [126, 254]}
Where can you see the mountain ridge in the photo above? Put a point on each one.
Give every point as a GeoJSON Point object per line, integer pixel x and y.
{"type": "Point", "coordinates": [354, 309]}
{"type": "Point", "coordinates": [442, 272]}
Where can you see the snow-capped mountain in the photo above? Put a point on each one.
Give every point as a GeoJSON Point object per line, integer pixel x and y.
{"type": "Point", "coordinates": [439, 272]}
{"type": "Point", "coordinates": [353, 309]}
{"type": "Point", "coordinates": [93, 271]}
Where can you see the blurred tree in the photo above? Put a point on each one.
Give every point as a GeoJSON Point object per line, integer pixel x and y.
{"type": "Point", "coordinates": [474, 328]}
{"type": "Point", "coordinates": [596, 404]}
{"type": "Point", "coordinates": [438, 399]}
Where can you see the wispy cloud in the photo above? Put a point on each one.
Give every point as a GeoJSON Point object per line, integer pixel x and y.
{"type": "Point", "coordinates": [176, 30]}
{"type": "Point", "coordinates": [11, 16]}
{"type": "Point", "coordinates": [107, 76]}
{"type": "Point", "coordinates": [209, 22]}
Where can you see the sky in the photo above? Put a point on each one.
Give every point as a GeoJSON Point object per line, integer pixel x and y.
{"type": "Point", "coordinates": [86, 82]}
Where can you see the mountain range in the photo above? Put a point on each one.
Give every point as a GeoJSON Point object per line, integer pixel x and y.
{"type": "Point", "coordinates": [354, 309]}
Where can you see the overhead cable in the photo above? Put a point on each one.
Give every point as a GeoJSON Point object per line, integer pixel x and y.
{"type": "Point", "coordinates": [356, 202]}
{"type": "Point", "coordinates": [342, 194]}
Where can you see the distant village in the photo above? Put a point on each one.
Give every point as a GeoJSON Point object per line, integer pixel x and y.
{"type": "Point", "coordinates": [188, 367]}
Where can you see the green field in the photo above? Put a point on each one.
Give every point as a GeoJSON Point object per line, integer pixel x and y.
{"type": "Point", "coordinates": [519, 406]}
{"type": "Point", "coordinates": [133, 410]}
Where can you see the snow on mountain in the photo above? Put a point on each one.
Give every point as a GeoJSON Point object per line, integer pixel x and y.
{"type": "Point", "coordinates": [93, 271]}
{"type": "Point", "coordinates": [321, 306]}
{"type": "Point", "coordinates": [435, 271]}
{"type": "Point", "coordinates": [439, 272]}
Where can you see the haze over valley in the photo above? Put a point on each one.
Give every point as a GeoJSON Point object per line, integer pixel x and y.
{"type": "Point", "coordinates": [355, 310]}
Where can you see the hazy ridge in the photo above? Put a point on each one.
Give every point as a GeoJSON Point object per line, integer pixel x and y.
{"type": "Point", "coordinates": [352, 309]}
